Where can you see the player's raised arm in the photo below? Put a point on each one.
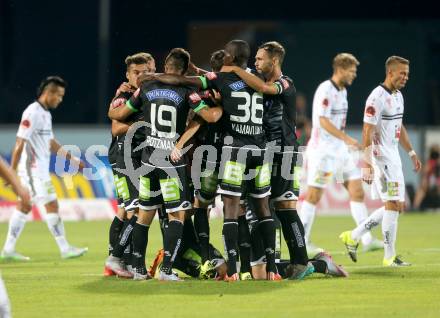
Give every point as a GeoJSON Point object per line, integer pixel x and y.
{"type": "Point", "coordinates": [172, 79]}
{"type": "Point", "coordinates": [120, 111]}
{"type": "Point", "coordinates": [209, 114]}
{"type": "Point", "coordinates": [254, 81]}
{"type": "Point", "coordinates": [406, 144]}
{"type": "Point", "coordinates": [118, 127]}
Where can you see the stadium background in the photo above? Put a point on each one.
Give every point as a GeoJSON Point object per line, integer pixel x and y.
{"type": "Point", "coordinates": [86, 42]}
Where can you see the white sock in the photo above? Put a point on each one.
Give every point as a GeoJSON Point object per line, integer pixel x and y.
{"type": "Point", "coordinates": [56, 227]}
{"type": "Point", "coordinates": [368, 224]}
{"type": "Point", "coordinates": [360, 213]}
{"type": "Point", "coordinates": [5, 307]}
{"type": "Point", "coordinates": [389, 232]}
{"type": "Point", "coordinates": [16, 225]}
{"type": "Point", "coordinates": [307, 215]}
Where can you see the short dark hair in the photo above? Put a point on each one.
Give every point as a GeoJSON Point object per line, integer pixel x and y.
{"type": "Point", "coordinates": [274, 49]}
{"type": "Point", "coordinates": [240, 50]}
{"type": "Point", "coordinates": [50, 80]}
{"type": "Point", "coordinates": [138, 58]}
{"type": "Point", "coordinates": [217, 60]}
{"type": "Point", "coordinates": [179, 58]}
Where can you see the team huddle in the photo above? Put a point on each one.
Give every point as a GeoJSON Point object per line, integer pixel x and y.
{"type": "Point", "coordinates": [182, 137]}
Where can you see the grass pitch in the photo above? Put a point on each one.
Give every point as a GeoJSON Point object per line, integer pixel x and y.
{"type": "Point", "coordinates": [50, 287]}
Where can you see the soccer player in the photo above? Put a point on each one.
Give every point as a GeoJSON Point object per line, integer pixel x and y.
{"type": "Point", "coordinates": [279, 123]}
{"type": "Point", "coordinates": [165, 110]}
{"type": "Point", "coordinates": [242, 162]}
{"type": "Point", "coordinates": [189, 258]}
{"type": "Point", "coordinates": [207, 134]}
{"type": "Point", "coordinates": [382, 132]}
{"type": "Point", "coordinates": [11, 178]}
{"type": "Point", "coordinates": [5, 305]}
{"type": "Point", "coordinates": [31, 157]}
{"type": "Point", "coordinates": [122, 224]}
{"type": "Point", "coordinates": [327, 153]}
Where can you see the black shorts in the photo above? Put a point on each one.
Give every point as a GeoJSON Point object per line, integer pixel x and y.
{"type": "Point", "coordinates": [285, 177]}
{"type": "Point", "coordinates": [243, 167]}
{"type": "Point", "coordinates": [165, 186]}
{"type": "Point", "coordinates": [127, 182]}
{"type": "Point", "coordinates": [206, 184]}
{"type": "Point", "coordinates": [112, 158]}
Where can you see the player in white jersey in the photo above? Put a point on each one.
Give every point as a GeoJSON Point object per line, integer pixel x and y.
{"type": "Point", "coordinates": [31, 158]}
{"type": "Point", "coordinates": [328, 154]}
{"type": "Point", "coordinates": [11, 178]}
{"type": "Point", "coordinates": [383, 131]}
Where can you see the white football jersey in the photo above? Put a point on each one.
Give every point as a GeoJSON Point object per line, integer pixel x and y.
{"type": "Point", "coordinates": [331, 102]}
{"type": "Point", "coordinates": [36, 128]}
{"type": "Point", "coordinates": [384, 109]}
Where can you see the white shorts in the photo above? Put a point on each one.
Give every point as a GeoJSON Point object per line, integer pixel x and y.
{"type": "Point", "coordinates": [40, 187]}
{"type": "Point", "coordinates": [388, 183]}
{"type": "Point", "coordinates": [322, 167]}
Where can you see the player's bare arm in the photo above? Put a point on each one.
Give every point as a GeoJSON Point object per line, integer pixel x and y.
{"type": "Point", "coordinates": [121, 112]}
{"type": "Point", "coordinates": [118, 110]}
{"type": "Point", "coordinates": [253, 81]}
{"type": "Point", "coordinates": [11, 178]}
{"type": "Point", "coordinates": [367, 139]}
{"type": "Point", "coordinates": [119, 128]}
{"type": "Point", "coordinates": [17, 151]}
{"type": "Point", "coordinates": [211, 114]}
{"type": "Point", "coordinates": [193, 126]}
{"type": "Point", "coordinates": [331, 129]}
{"type": "Point", "coordinates": [193, 69]}
{"type": "Point", "coordinates": [171, 79]}
{"type": "Point", "coordinates": [57, 148]}
{"type": "Point", "coordinates": [406, 144]}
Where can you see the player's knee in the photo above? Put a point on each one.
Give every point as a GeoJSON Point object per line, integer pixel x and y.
{"type": "Point", "coordinates": [313, 195]}
{"type": "Point", "coordinates": [24, 207]}
{"type": "Point", "coordinates": [357, 195]}
{"type": "Point", "coordinates": [393, 206]}
{"type": "Point", "coordinates": [52, 206]}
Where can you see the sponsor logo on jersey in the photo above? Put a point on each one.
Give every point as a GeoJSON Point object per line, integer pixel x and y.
{"type": "Point", "coordinates": [26, 123]}
{"type": "Point", "coordinates": [164, 94]}
{"type": "Point", "coordinates": [236, 86]}
{"type": "Point", "coordinates": [194, 97]}
{"type": "Point", "coordinates": [211, 76]}
{"type": "Point", "coordinates": [370, 111]}
{"type": "Point", "coordinates": [325, 102]}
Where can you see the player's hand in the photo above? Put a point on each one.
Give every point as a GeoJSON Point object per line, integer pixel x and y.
{"type": "Point", "coordinates": [81, 164]}
{"type": "Point", "coordinates": [215, 97]}
{"type": "Point", "coordinates": [176, 154]}
{"type": "Point", "coordinates": [124, 88]}
{"type": "Point", "coordinates": [192, 68]}
{"type": "Point", "coordinates": [352, 142]}
{"type": "Point", "coordinates": [368, 174]}
{"type": "Point", "coordinates": [416, 163]}
{"type": "Point", "coordinates": [24, 195]}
